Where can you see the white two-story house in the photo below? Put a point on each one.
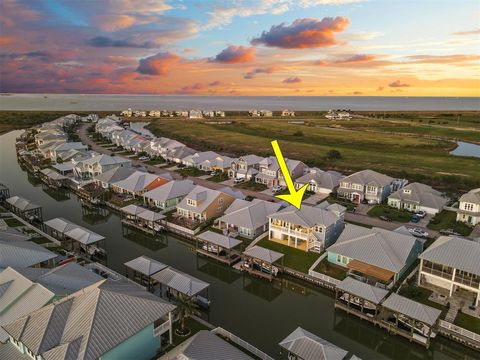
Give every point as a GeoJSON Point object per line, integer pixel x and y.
{"type": "Point", "coordinates": [245, 167]}
{"type": "Point", "coordinates": [469, 207]}
{"type": "Point", "coordinates": [270, 173]}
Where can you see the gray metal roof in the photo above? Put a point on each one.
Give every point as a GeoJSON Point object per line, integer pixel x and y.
{"type": "Point", "coordinates": [264, 254]}
{"type": "Point", "coordinates": [307, 216]}
{"type": "Point", "coordinates": [9, 351]}
{"type": "Point", "coordinates": [142, 213]}
{"type": "Point", "coordinates": [473, 196]}
{"type": "Point", "coordinates": [249, 214]}
{"type": "Point", "coordinates": [18, 297]}
{"type": "Point", "coordinates": [21, 203]}
{"type": "Point", "coordinates": [115, 174]}
{"type": "Point", "coordinates": [73, 231]}
{"type": "Point", "coordinates": [23, 254]}
{"type": "Point", "coordinates": [12, 234]}
{"type": "Point", "coordinates": [145, 265]}
{"type": "Point", "coordinates": [309, 346]}
{"type": "Point", "coordinates": [386, 249]}
{"type": "Point", "coordinates": [412, 309]}
{"type": "Point", "coordinates": [369, 177]}
{"type": "Point", "coordinates": [138, 181]}
{"type": "Point", "coordinates": [52, 174]}
{"type": "Point", "coordinates": [170, 190]}
{"type": "Point", "coordinates": [225, 242]}
{"type": "Point", "coordinates": [368, 292]}
{"type": "Point", "coordinates": [456, 252]}
{"type": "Point", "coordinates": [177, 280]}
{"type": "Point", "coordinates": [420, 194]}
{"type": "Point", "coordinates": [205, 345]}
{"type": "Point", "coordinates": [90, 322]}
{"type": "Point", "coordinates": [323, 179]}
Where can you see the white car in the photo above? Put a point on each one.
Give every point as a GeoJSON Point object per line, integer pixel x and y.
{"type": "Point", "coordinates": [421, 214]}
{"type": "Point", "coordinates": [238, 180]}
{"type": "Point", "coordinates": [143, 158]}
{"type": "Point", "coordinates": [418, 232]}
{"type": "Point", "coordinates": [276, 188]}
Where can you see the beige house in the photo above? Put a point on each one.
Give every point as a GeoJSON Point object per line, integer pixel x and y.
{"type": "Point", "coordinates": [418, 197]}
{"type": "Point", "coordinates": [469, 207]}
{"type": "Point", "coordinates": [366, 185]}
{"type": "Point", "coordinates": [202, 204]}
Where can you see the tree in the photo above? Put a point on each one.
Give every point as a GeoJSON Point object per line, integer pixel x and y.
{"type": "Point", "coordinates": [334, 155]}
{"type": "Point", "coordinates": [186, 307]}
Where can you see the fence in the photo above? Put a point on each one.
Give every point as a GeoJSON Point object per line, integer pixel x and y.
{"type": "Point", "coordinates": [325, 279]}
{"type": "Point", "coordinates": [242, 343]}
{"type": "Point", "coordinates": [457, 330]}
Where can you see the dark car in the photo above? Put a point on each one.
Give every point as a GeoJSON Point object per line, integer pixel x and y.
{"type": "Point", "coordinates": [448, 232]}
{"type": "Point", "coordinates": [415, 219]}
{"type": "Point", "coordinates": [385, 218]}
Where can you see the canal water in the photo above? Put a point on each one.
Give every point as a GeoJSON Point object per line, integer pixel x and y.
{"type": "Point", "coordinates": [257, 311]}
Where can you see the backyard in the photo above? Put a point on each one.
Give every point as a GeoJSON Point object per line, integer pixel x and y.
{"type": "Point", "coordinates": [219, 177]}
{"type": "Point", "coordinates": [468, 322]}
{"type": "Point", "coordinates": [421, 295]}
{"type": "Point", "coordinates": [251, 185]}
{"type": "Point", "coordinates": [294, 258]}
{"type": "Point", "coordinates": [334, 271]}
{"type": "Point", "coordinates": [392, 213]}
{"type": "Point", "coordinates": [448, 220]}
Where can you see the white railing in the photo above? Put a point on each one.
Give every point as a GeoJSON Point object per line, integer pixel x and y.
{"type": "Point", "coordinates": [250, 348]}
{"type": "Point", "coordinates": [161, 329]}
{"type": "Point", "coordinates": [324, 277]}
{"type": "Point", "coordinates": [459, 330]}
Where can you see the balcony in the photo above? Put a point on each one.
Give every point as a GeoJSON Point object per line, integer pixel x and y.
{"type": "Point", "coordinates": [439, 273]}
{"type": "Point", "coordinates": [160, 327]}
{"type": "Point", "coordinates": [467, 281]}
{"type": "Point", "coordinates": [303, 234]}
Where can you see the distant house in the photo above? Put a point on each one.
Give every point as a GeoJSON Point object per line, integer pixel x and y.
{"type": "Point", "coordinates": [319, 181]}
{"type": "Point", "coordinates": [308, 228]}
{"type": "Point", "coordinates": [453, 264]}
{"type": "Point", "coordinates": [270, 174]}
{"type": "Point", "coordinates": [138, 183]}
{"type": "Point", "coordinates": [253, 113]}
{"type": "Point", "coordinates": [202, 204]}
{"type": "Point", "coordinates": [366, 185]}
{"type": "Point", "coordinates": [208, 113]}
{"type": "Point", "coordinates": [178, 154]}
{"type": "Point", "coordinates": [338, 115]}
{"type": "Point", "coordinates": [245, 167]}
{"type": "Point", "coordinates": [196, 160]}
{"type": "Point", "coordinates": [266, 113]}
{"type": "Point", "coordinates": [168, 195]}
{"type": "Point", "coordinates": [248, 218]}
{"type": "Point", "coordinates": [469, 207]}
{"type": "Point", "coordinates": [220, 113]}
{"type": "Point", "coordinates": [288, 113]}
{"type": "Point", "coordinates": [107, 320]}
{"type": "Point", "coordinates": [375, 255]}
{"type": "Point", "coordinates": [58, 150]}
{"type": "Point", "coordinates": [99, 164]}
{"type": "Point", "coordinates": [107, 178]}
{"type": "Point", "coordinates": [195, 114]}
{"type": "Point", "coordinates": [418, 197]}
{"type": "Point", "coordinates": [219, 163]}
{"type": "Point", "coordinates": [127, 113]}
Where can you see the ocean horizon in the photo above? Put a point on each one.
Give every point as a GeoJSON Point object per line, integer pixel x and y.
{"type": "Point", "coordinates": [117, 102]}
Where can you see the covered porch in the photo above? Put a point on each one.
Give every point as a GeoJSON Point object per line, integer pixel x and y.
{"type": "Point", "coordinates": [371, 274]}
{"type": "Point", "coordinates": [24, 208]}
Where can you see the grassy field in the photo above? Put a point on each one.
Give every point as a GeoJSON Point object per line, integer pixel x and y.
{"type": "Point", "coordinates": [468, 322]}
{"type": "Point", "coordinates": [398, 146]}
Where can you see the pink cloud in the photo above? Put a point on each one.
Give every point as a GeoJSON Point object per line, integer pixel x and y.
{"type": "Point", "coordinates": [292, 80]}
{"type": "Point", "coordinates": [303, 33]}
{"type": "Point", "coordinates": [158, 64]}
{"type": "Point", "coordinates": [260, 70]}
{"type": "Point", "coordinates": [235, 55]}
{"type": "Point", "coordinates": [398, 84]}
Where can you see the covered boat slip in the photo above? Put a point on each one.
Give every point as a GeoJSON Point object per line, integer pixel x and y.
{"type": "Point", "coordinates": [75, 238]}
{"type": "Point", "coordinates": [410, 319]}
{"type": "Point", "coordinates": [142, 219]}
{"type": "Point", "coordinates": [53, 178]}
{"type": "Point", "coordinates": [141, 270]}
{"type": "Point", "coordinates": [260, 261]}
{"type": "Point", "coordinates": [173, 282]}
{"type": "Point", "coordinates": [24, 208]}
{"type": "Point", "coordinates": [218, 247]}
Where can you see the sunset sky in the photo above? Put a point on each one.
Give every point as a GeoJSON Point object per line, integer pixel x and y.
{"type": "Point", "coordinates": [263, 47]}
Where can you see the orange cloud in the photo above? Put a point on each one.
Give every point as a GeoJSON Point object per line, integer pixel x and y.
{"type": "Point", "coordinates": [114, 22]}
{"type": "Point", "coordinates": [158, 64]}
{"type": "Point", "coordinates": [6, 40]}
{"type": "Point", "coordinates": [235, 54]}
{"type": "Point", "coordinates": [398, 84]}
{"type": "Point", "coordinates": [303, 33]}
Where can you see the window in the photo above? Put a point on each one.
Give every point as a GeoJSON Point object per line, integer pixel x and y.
{"type": "Point", "coordinates": [339, 258]}
{"type": "Point", "coordinates": [468, 207]}
{"type": "Point", "coordinates": [357, 187]}
{"type": "Point", "coordinates": [220, 201]}
{"type": "Point", "coordinates": [191, 202]}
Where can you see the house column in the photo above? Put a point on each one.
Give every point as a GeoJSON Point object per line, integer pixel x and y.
{"type": "Point", "coordinates": [478, 296]}
{"type": "Point", "coordinates": [453, 279]}
{"type": "Point", "coordinates": [420, 272]}
{"type": "Point", "coordinates": [288, 228]}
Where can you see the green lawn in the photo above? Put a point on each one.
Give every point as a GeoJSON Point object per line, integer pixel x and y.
{"type": "Point", "coordinates": [392, 213]}
{"type": "Point", "coordinates": [447, 220]}
{"type": "Point", "coordinates": [251, 185]}
{"type": "Point", "coordinates": [190, 171]}
{"type": "Point", "coordinates": [219, 177]}
{"type": "Point", "coordinates": [327, 268]}
{"type": "Point", "coordinates": [294, 258]}
{"type": "Point", "coordinates": [12, 222]}
{"type": "Point", "coordinates": [420, 295]}
{"type": "Point", "coordinates": [155, 161]}
{"type": "Point", "coordinates": [468, 322]}
{"type": "Point", "coordinates": [41, 240]}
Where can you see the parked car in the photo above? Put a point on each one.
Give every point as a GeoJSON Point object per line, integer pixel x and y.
{"type": "Point", "coordinates": [421, 214]}
{"type": "Point", "coordinates": [418, 232]}
{"type": "Point", "coordinates": [385, 218]}
{"type": "Point", "coordinates": [213, 173]}
{"type": "Point", "coordinates": [372, 202]}
{"type": "Point", "coordinates": [238, 180]}
{"type": "Point", "coordinates": [352, 210]}
{"type": "Point", "coordinates": [277, 188]}
{"type": "Point", "coordinates": [364, 201]}
{"type": "Point", "coordinates": [449, 232]}
{"type": "Point", "coordinates": [415, 219]}
{"type": "Point", "coordinates": [143, 158]}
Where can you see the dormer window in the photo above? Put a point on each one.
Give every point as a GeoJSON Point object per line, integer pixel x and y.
{"type": "Point", "coordinates": [191, 202]}
{"type": "Point", "coordinates": [407, 191]}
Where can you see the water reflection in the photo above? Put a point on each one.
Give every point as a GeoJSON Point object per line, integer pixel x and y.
{"type": "Point", "coordinates": [57, 194]}
{"type": "Point", "coordinates": [218, 271]}
{"type": "Point", "coordinates": [261, 288]}
{"type": "Point", "coordinates": [147, 241]}
{"type": "Point", "coordinates": [95, 215]}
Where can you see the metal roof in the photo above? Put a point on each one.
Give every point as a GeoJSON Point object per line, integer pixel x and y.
{"type": "Point", "coordinates": [225, 242]}
{"type": "Point", "coordinates": [368, 176]}
{"type": "Point", "coordinates": [170, 190]}
{"type": "Point", "coordinates": [249, 214]}
{"type": "Point", "coordinates": [385, 249]}
{"type": "Point", "coordinates": [307, 216]}
{"type": "Point", "coordinates": [456, 252]}
{"type": "Point", "coordinates": [145, 265]}
{"type": "Point", "coordinates": [52, 174]}
{"type": "Point", "coordinates": [412, 309]}
{"type": "Point", "coordinates": [9, 351]}
{"type": "Point", "coordinates": [308, 346]}
{"type": "Point", "coordinates": [90, 322]}
{"type": "Point", "coordinates": [205, 345]}
{"type": "Point", "coordinates": [22, 203]}
{"type": "Point", "coordinates": [73, 231]}
{"type": "Point", "coordinates": [421, 194]}
{"type": "Point", "coordinates": [264, 254]}
{"type": "Point", "coordinates": [18, 297]}
{"type": "Point", "coordinates": [23, 254]}
{"type": "Point", "coordinates": [143, 213]}
{"type": "Point", "coordinates": [358, 288]}
{"type": "Point", "coordinates": [177, 280]}
{"type": "Point", "coordinates": [12, 234]}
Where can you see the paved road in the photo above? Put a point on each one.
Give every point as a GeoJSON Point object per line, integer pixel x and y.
{"type": "Point", "coordinates": [354, 217]}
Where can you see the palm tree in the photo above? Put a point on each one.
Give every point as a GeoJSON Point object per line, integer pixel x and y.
{"type": "Point", "coordinates": [186, 307]}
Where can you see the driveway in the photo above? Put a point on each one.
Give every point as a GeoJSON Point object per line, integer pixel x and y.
{"type": "Point", "coordinates": [315, 199]}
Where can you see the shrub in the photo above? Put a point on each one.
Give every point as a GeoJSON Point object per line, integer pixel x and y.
{"type": "Point", "coordinates": [334, 155]}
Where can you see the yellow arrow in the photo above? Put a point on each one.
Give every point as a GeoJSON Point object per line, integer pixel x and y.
{"type": "Point", "coordinates": [295, 197]}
